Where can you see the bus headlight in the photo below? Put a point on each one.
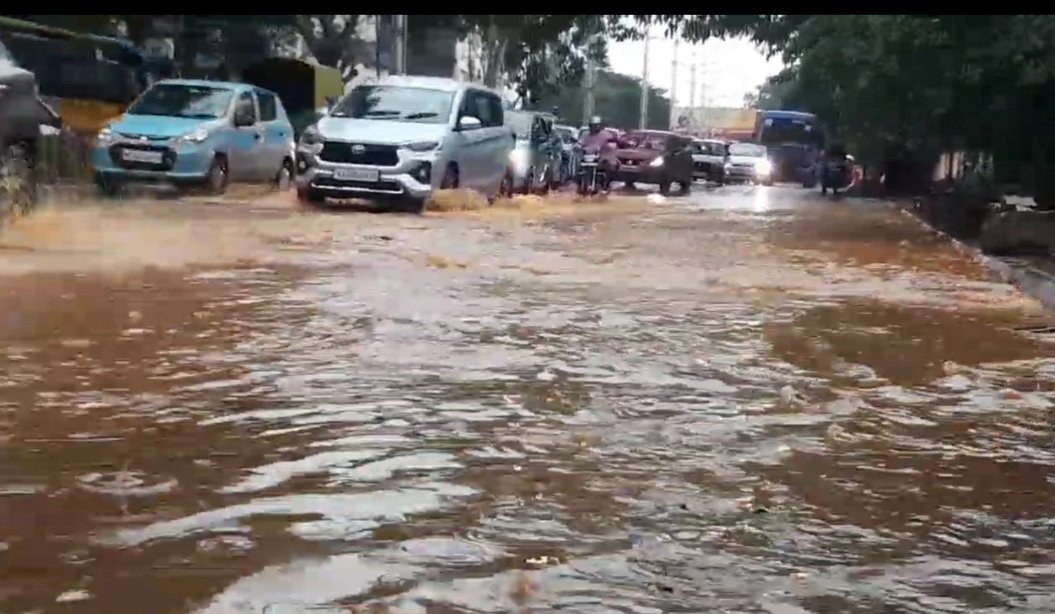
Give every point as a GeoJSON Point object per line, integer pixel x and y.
{"type": "Point", "coordinates": [763, 167]}
{"type": "Point", "coordinates": [658, 162]}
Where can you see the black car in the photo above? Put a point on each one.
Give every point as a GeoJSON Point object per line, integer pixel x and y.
{"type": "Point", "coordinates": [21, 115]}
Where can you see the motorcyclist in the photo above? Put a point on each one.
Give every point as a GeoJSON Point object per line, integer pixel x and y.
{"type": "Point", "coordinates": [599, 139]}
{"type": "Point", "coordinates": [836, 173]}
{"type": "Point", "coordinates": [836, 153]}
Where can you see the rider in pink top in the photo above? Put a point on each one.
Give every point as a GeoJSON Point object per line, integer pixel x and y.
{"type": "Point", "coordinates": [600, 140]}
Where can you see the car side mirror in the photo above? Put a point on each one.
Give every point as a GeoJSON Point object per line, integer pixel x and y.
{"type": "Point", "coordinates": [243, 118]}
{"type": "Point", "coordinates": [468, 122]}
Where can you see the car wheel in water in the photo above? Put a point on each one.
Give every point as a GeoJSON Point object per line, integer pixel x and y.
{"type": "Point", "coordinates": [686, 187]}
{"type": "Point", "coordinates": [284, 178]}
{"type": "Point", "coordinates": [308, 196]}
{"type": "Point", "coordinates": [106, 187]}
{"type": "Point", "coordinates": [529, 182]}
{"type": "Point", "coordinates": [664, 186]}
{"type": "Point", "coordinates": [218, 177]}
{"type": "Point", "coordinates": [450, 178]}
{"type": "Point", "coordinates": [546, 182]}
{"type": "Point", "coordinates": [18, 190]}
{"type": "Point", "coordinates": [410, 205]}
{"type": "Point", "coordinates": [505, 189]}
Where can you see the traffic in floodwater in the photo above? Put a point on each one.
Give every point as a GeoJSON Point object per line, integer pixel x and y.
{"type": "Point", "coordinates": [743, 400]}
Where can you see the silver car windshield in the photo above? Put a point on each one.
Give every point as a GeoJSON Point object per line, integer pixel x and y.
{"type": "Point", "coordinates": [396, 103]}
{"type": "Point", "coordinates": [520, 123]}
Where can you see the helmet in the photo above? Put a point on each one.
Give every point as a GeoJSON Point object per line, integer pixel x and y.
{"type": "Point", "coordinates": [596, 124]}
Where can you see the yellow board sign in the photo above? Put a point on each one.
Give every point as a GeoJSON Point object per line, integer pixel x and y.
{"type": "Point", "coordinates": [87, 116]}
{"type": "Point", "coordinates": [739, 120]}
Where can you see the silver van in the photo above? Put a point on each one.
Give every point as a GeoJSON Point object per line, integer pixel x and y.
{"type": "Point", "coordinates": [398, 139]}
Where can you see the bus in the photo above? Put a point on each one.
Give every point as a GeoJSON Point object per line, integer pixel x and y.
{"type": "Point", "coordinates": [87, 79]}
{"type": "Point", "coordinates": [794, 140]}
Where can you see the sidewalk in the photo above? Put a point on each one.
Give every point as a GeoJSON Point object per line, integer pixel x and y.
{"type": "Point", "coordinates": [1033, 277]}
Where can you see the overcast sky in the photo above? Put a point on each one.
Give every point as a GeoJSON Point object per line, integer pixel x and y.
{"type": "Point", "coordinates": [727, 69]}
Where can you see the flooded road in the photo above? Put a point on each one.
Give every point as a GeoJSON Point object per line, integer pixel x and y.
{"type": "Point", "coordinates": [748, 400]}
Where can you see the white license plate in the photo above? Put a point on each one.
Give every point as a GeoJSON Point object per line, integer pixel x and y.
{"type": "Point", "coordinates": [356, 174]}
{"type": "Point", "coordinates": [138, 155]}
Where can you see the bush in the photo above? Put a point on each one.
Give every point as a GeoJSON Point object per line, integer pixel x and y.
{"type": "Point", "coordinates": [63, 157]}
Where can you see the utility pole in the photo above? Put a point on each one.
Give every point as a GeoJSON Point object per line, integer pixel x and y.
{"type": "Point", "coordinates": [643, 120]}
{"type": "Point", "coordinates": [674, 87]}
{"type": "Point", "coordinates": [400, 55]}
{"type": "Point", "coordinates": [591, 80]}
{"type": "Point", "coordinates": [692, 82]}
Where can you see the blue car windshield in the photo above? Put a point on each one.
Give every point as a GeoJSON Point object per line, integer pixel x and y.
{"type": "Point", "coordinates": [182, 100]}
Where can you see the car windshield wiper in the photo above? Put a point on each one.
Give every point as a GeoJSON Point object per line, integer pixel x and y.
{"type": "Point", "coordinates": [380, 112]}
{"type": "Point", "coordinates": [421, 115]}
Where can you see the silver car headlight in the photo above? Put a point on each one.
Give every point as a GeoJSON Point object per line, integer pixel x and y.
{"type": "Point", "coordinates": [311, 137]}
{"type": "Point", "coordinates": [519, 158]}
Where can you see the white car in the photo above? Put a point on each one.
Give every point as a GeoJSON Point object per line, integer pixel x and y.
{"type": "Point", "coordinates": [401, 138]}
{"type": "Point", "coordinates": [749, 162]}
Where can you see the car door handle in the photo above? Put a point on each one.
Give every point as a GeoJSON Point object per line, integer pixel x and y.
{"type": "Point", "coordinates": [257, 136]}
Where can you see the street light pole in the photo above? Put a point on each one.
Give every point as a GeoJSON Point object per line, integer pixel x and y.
{"type": "Point", "coordinates": [643, 119]}
{"type": "Point", "coordinates": [674, 87]}
{"type": "Point", "coordinates": [400, 44]}
{"type": "Point", "coordinates": [692, 83]}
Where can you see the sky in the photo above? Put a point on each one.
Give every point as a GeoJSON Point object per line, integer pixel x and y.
{"type": "Point", "coordinates": [727, 69]}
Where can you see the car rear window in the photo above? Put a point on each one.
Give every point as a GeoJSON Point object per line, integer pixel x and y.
{"type": "Point", "coordinates": [647, 140]}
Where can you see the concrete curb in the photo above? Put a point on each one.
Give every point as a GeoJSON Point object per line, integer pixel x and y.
{"type": "Point", "coordinates": [1031, 281]}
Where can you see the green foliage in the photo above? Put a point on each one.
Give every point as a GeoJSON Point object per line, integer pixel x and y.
{"type": "Point", "coordinates": [539, 53]}
{"type": "Point", "coordinates": [617, 99]}
{"type": "Point", "coordinates": [918, 83]}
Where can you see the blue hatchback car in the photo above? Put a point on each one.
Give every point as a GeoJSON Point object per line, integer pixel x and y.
{"type": "Point", "coordinates": [197, 133]}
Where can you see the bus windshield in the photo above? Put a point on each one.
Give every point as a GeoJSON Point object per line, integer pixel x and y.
{"type": "Point", "coordinates": [780, 130]}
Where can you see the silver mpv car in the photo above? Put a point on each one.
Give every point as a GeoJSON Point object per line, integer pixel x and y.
{"type": "Point", "coordinates": [398, 139]}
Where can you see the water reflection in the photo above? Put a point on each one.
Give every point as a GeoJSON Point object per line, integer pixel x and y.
{"type": "Point", "coordinates": [599, 413]}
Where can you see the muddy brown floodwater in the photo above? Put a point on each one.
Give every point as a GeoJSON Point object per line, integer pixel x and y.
{"type": "Point", "coordinates": [748, 400]}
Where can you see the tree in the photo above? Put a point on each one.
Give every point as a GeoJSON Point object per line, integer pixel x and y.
{"type": "Point", "coordinates": [538, 53]}
{"type": "Point", "coordinates": [908, 86]}
{"type": "Point", "coordinates": [617, 99]}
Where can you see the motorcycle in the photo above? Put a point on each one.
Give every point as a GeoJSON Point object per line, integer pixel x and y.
{"type": "Point", "coordinates": [591, 178]}
{"type": "Point", "coordinates": [836, 174]}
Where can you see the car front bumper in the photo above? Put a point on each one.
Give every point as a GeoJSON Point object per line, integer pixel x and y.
{"type": "Point", "coordinates": [183, 163]}
{"type": "Point", "coordinates": [414, 177]}
{"type": "Point", "coordinates": [637, 174]}
{"type": "Point", "coordinates": [742, 173]}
